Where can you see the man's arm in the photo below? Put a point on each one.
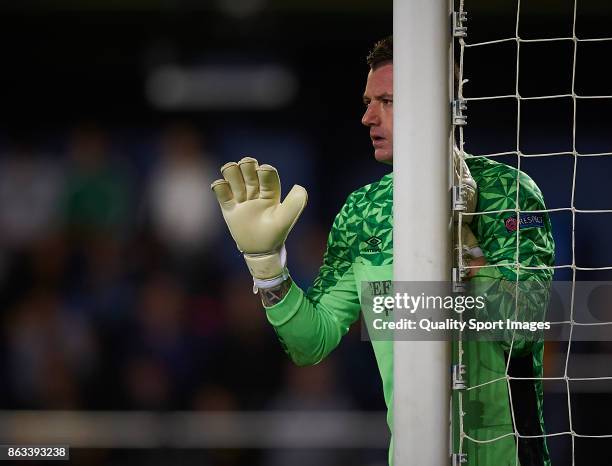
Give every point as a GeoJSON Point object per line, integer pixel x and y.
{"type": "Point", "coordinates": [310, 325]}
{"type": "Point", "coordinates": [497, 274]}
{"type": "Point", "coordinates": [272, 296]}
{"type": "Point", "coordinates": [475, 265]}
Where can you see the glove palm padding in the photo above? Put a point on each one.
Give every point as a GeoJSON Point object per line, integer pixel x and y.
{"type": "Point", "coordinates": [468, 243]}
{"type": "Point", "coordinates": [469, 189]}
{"type": "Point", "coordinates": [249, 196]}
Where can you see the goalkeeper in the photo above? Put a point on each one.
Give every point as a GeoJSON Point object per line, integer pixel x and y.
{"type": "Point", "coordinates": [360, 249]}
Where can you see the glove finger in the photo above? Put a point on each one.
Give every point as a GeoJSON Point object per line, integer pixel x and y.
{"type": "Point", "coordinates": [457, 165]}
{"type": "Point", "coordinates": [248, 167]}
{"type": "Point", "coordinates": [223, 191]}
{"type": "Point", "coordinates": [462, 171]}
{"type": "Point", "coordinates": [468, 239]}
{"type": "Point", "coordinates": [269, 182]}
{"type": "Point", "coordinates": [231, 172]}
{"type": "Point", "coordinates": [463, 178]}
{"type": "Point", "coordinates": [291, 208]}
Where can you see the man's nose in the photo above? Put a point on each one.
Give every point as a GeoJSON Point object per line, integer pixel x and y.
{"type": "Point", "coordinates": [370, 117]}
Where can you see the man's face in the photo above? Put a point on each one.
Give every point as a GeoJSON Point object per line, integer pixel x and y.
{"type": "Point", "coordinates": [378, 98]}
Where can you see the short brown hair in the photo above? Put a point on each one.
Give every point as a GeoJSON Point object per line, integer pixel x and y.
{"type": "Point", "coordinates": [382, 52]}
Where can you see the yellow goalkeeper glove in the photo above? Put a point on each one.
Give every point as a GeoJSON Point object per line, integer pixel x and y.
{"type": "Point", "coordinates": [249, 196]}
{"type": "Point", "coordinates": [469, 193]}
{"type": "Point", "coordinates": [469, 244]}
{"type": "Point", "coordinates": [469, 189]}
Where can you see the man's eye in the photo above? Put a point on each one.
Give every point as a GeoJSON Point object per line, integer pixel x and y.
{"type": "Point", "coordinates": [387, 101]}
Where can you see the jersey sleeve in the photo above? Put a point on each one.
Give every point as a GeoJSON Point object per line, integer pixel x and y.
{"type": "Point", "coordinates": [506, 239]}
{"type": "Point", "coordinates": [310, 325]}
{"type": "Point", "coordinates": [499, 232]}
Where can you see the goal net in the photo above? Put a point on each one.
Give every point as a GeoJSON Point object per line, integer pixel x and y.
{"type": "Point", "coordinates": [529, 95]}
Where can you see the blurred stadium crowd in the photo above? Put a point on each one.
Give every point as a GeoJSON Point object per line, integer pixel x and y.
{"type": "Point", "coordinates": [121, 290]}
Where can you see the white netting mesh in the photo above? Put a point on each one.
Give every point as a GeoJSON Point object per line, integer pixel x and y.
{"type": "Point", "coordinates": [465, 46]}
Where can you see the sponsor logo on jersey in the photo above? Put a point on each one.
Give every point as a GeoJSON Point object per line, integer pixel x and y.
{"type": "Point", "coordinates": [373, 244]}
{"type": "Point", "coordinates": [380, 288]}
{"type": "Point", "coordinates": [526, 220]}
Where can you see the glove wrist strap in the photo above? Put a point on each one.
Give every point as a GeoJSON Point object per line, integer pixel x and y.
{"type": "Point", "coordinates": [268, 270]}
{"type": "Point", "coordinates": [259, 284]}
{"type": "Point", "coordinates": [474, 252]}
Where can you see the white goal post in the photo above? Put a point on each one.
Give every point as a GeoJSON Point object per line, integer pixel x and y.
{"type": "Point", "coordinates": [422, 220]}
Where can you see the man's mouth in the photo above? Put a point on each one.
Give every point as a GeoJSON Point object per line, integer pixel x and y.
{"type": "Point", "coordinates": [377, 140]}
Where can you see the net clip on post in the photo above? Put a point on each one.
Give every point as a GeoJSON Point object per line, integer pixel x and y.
{"type": "Point", "coordinates": [458, 283]}
{"type": "Point", "coordinates": [459, 28]}
{"type": "Point", "coordinates": [459, 118]}
{"type": "Point", "coordinates": [458, 459]}
{"type": "Point", "coordinates": [459, 204]}
{"type": "Point", "coordinates": [458, 380]}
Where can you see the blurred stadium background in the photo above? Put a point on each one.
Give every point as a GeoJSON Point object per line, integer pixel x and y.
{"type": "Point", "coordinates": [121, 290]}
{"type": "Point", "coordinates": [129, 329]}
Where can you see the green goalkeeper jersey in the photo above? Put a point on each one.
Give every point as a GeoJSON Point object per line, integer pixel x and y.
{"type": "Point", "coordinates": [360, 249]}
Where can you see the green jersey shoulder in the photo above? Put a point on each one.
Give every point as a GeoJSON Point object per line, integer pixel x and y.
{"type": "Point", "coordinates": [364, 226]}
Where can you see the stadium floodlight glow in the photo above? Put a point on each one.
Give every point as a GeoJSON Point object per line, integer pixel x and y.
{"type": "Point", "coordinates": [221, 87]}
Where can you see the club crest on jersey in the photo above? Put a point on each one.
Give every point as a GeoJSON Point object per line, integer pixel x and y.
{"type": "Point", "coordinates": [526, 220]}
{"type": "Point", "coordinates": [373, 244]}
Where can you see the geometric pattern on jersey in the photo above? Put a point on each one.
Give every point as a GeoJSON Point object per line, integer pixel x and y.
{"type": "Point", "coordinates": [497, 187]}
{"type": "Point", "coordinates": [362, 229]}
